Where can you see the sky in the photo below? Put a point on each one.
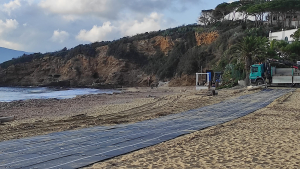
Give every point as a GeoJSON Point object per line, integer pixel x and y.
{"type": "Point", "coordinates": [50, 25]}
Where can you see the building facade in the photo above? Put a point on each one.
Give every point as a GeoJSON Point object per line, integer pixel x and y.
{"type": "Point", "coordinates": [283, 35]}
{"type": "Point", "coordinates": [289, 20]}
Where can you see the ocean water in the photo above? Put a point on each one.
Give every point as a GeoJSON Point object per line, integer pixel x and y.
{"type": "Point", "coordinates": [8, 94]}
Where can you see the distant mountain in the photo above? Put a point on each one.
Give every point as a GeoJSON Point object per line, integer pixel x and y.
{"type": "Point", "coordinates": [8, 54]}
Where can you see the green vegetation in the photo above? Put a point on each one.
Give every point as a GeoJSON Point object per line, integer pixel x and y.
{"type": "Point", "coordinates": [259, 9]}
{"type": "Point", "coordinates": [87, 50]}
{"type": "Point", "coordinates": [124, 49]}
{"type": "Point", "coordinates": [254, 47]}
{"type": "Point", "coordinates": [22, 59]}
{"type": "Point", "coordinates": [240, 43]}
{"type": "Point", "coordinates": [296, 35]}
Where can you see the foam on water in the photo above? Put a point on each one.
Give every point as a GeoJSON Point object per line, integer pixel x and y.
{"type": "Point", "coordinates": [8, 94]}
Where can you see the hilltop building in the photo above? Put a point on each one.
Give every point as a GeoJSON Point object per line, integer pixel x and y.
{"type": "Point", "coordinates": [282, 35]}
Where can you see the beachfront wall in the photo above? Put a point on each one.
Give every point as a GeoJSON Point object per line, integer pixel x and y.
{"type": "Point", "coordinates": [282, 35]}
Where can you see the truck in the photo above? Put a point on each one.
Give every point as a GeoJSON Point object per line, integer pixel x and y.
{"type": "Point", "coordinates": [264, 73]}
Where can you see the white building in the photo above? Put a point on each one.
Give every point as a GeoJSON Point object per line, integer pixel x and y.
{"type": "Point", "coordinates": [282, 35]}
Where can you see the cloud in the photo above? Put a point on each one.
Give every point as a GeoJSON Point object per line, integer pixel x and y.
{"type": "Point", "coordinates": [12, 5]}
{"type": "Point", "coordinates": [101, 8]}
{"type": "Point", "coordinates": [59, 36]}
{"type": "Point", "coordinates": [128, 27]}
{"type": "Point", "coordinates": [35, 23]}
{"type": "Point", "coordinates": [74, 7]}
{"type": "Point", "coordinates": [109, 9]}
{"type": "Point", "coordinates": [70, 17]}
{"type": "Point", "coordinates": [97, 33]}
{"type": "Point", "coordinates": [11, 45]}
{"type": "Point", "coordinates": [8, 25]}
{"type": "Point", "coordinates": [30, 2]}
{"type": "Point", "coordinates": [151, 23]}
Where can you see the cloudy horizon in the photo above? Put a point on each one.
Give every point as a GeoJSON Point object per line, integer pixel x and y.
{"type": "Point", "coordinates": [50, 25]}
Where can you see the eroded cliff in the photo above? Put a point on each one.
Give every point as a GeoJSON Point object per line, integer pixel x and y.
{"type": "Point", "coordinates": [102, 70]}
{"type": "Point", "coordinates": [140, 60]}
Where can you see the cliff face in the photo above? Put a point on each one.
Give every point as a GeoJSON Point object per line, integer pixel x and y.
{"type": "Point", "coordinates": [130, 61]}
{"type": "Point", "coordinates": [99, 71]}
{"type": "Point", "coordinates": [149, 46]}
{"type": "Point", "coordinates": [206, 38]}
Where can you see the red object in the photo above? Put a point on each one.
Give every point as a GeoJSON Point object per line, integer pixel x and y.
{"type": "Point", "coordinates": [295, 67]}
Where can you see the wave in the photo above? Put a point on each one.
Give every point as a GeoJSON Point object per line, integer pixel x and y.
{"type": "Point", "coordinates": [8, 94]}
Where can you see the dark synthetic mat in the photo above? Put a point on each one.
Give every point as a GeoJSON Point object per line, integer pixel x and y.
{"type": "Point", "coordinates": [78, 148]}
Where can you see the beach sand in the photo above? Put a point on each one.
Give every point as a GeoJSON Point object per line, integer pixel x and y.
{"type": "Point", "coordinates": [267, 138]}
{"type": "Point", "coordinates": [38, 117]}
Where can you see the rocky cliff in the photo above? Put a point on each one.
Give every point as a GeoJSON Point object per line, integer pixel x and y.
{"type": "Point", "coordinates": [173, 54]}
{"type": "Point", "coordinates": [81, 70]}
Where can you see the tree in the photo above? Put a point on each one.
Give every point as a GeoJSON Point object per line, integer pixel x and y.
{"type": "Point", "coordinates": [258, 12]}
{"type": "Point", "coordinates": [243, 9]}
{"type": "Point", "coordinates": [296, 35]}
{"type": "Point", "coordinates": [281, 9]}
{"type": "Point", "coordinates": [284, 50]}
{"type": "Point", "coordinates": [222, 10]}
{"type": "Point", "coordinates": [205, 17]}
{"type": "Point", "coordinates": [293, 51]}
{"type": "Point", "coordinates": [232, 7]}
{"type": "Point", "coordinates": [250, 49]}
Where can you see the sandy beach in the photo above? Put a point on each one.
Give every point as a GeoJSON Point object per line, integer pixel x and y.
{"type": "Point", "coordinates": [267, 138]}
{"type": "Point", "coordinates": [38, 117]}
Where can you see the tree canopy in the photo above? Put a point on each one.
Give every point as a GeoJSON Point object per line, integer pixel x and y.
{"type": "Point", "coordinates": [259, 9]}
{"type": "Point", "coordinates": [296, 35]}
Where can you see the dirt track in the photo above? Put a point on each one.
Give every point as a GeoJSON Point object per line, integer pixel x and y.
{"type": "Point", "coordinates": [94, 110]}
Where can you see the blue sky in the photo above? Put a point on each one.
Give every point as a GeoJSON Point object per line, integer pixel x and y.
{"type": "Point", "coordinates": [50, 25]}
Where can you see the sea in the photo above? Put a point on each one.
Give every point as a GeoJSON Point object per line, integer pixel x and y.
{"type": "Point", "coordinates": [9, 94]}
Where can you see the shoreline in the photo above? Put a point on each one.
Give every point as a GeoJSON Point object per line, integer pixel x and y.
{"type": "Point", "coordinates": [109, 87]}
{"type": "Point", "coordinates": [42, 93]}
{"type": "Point", "coordinates": [38, 117]}
{"type": "Point", "coordinates": [267, 138]}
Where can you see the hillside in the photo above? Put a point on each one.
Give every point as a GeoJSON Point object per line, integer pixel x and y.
{"type": "Point", "coordinates": [222, 43]}
{"type": "Point", "coordinates": [8, 54]}
{"type": "Point", "coordinates": [173, 54]}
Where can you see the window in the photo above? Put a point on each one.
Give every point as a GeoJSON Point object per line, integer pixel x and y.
{"type": "Point", "coordinates": [254, 69]}
{"type": "Point", "coordinates": [294, 17]}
